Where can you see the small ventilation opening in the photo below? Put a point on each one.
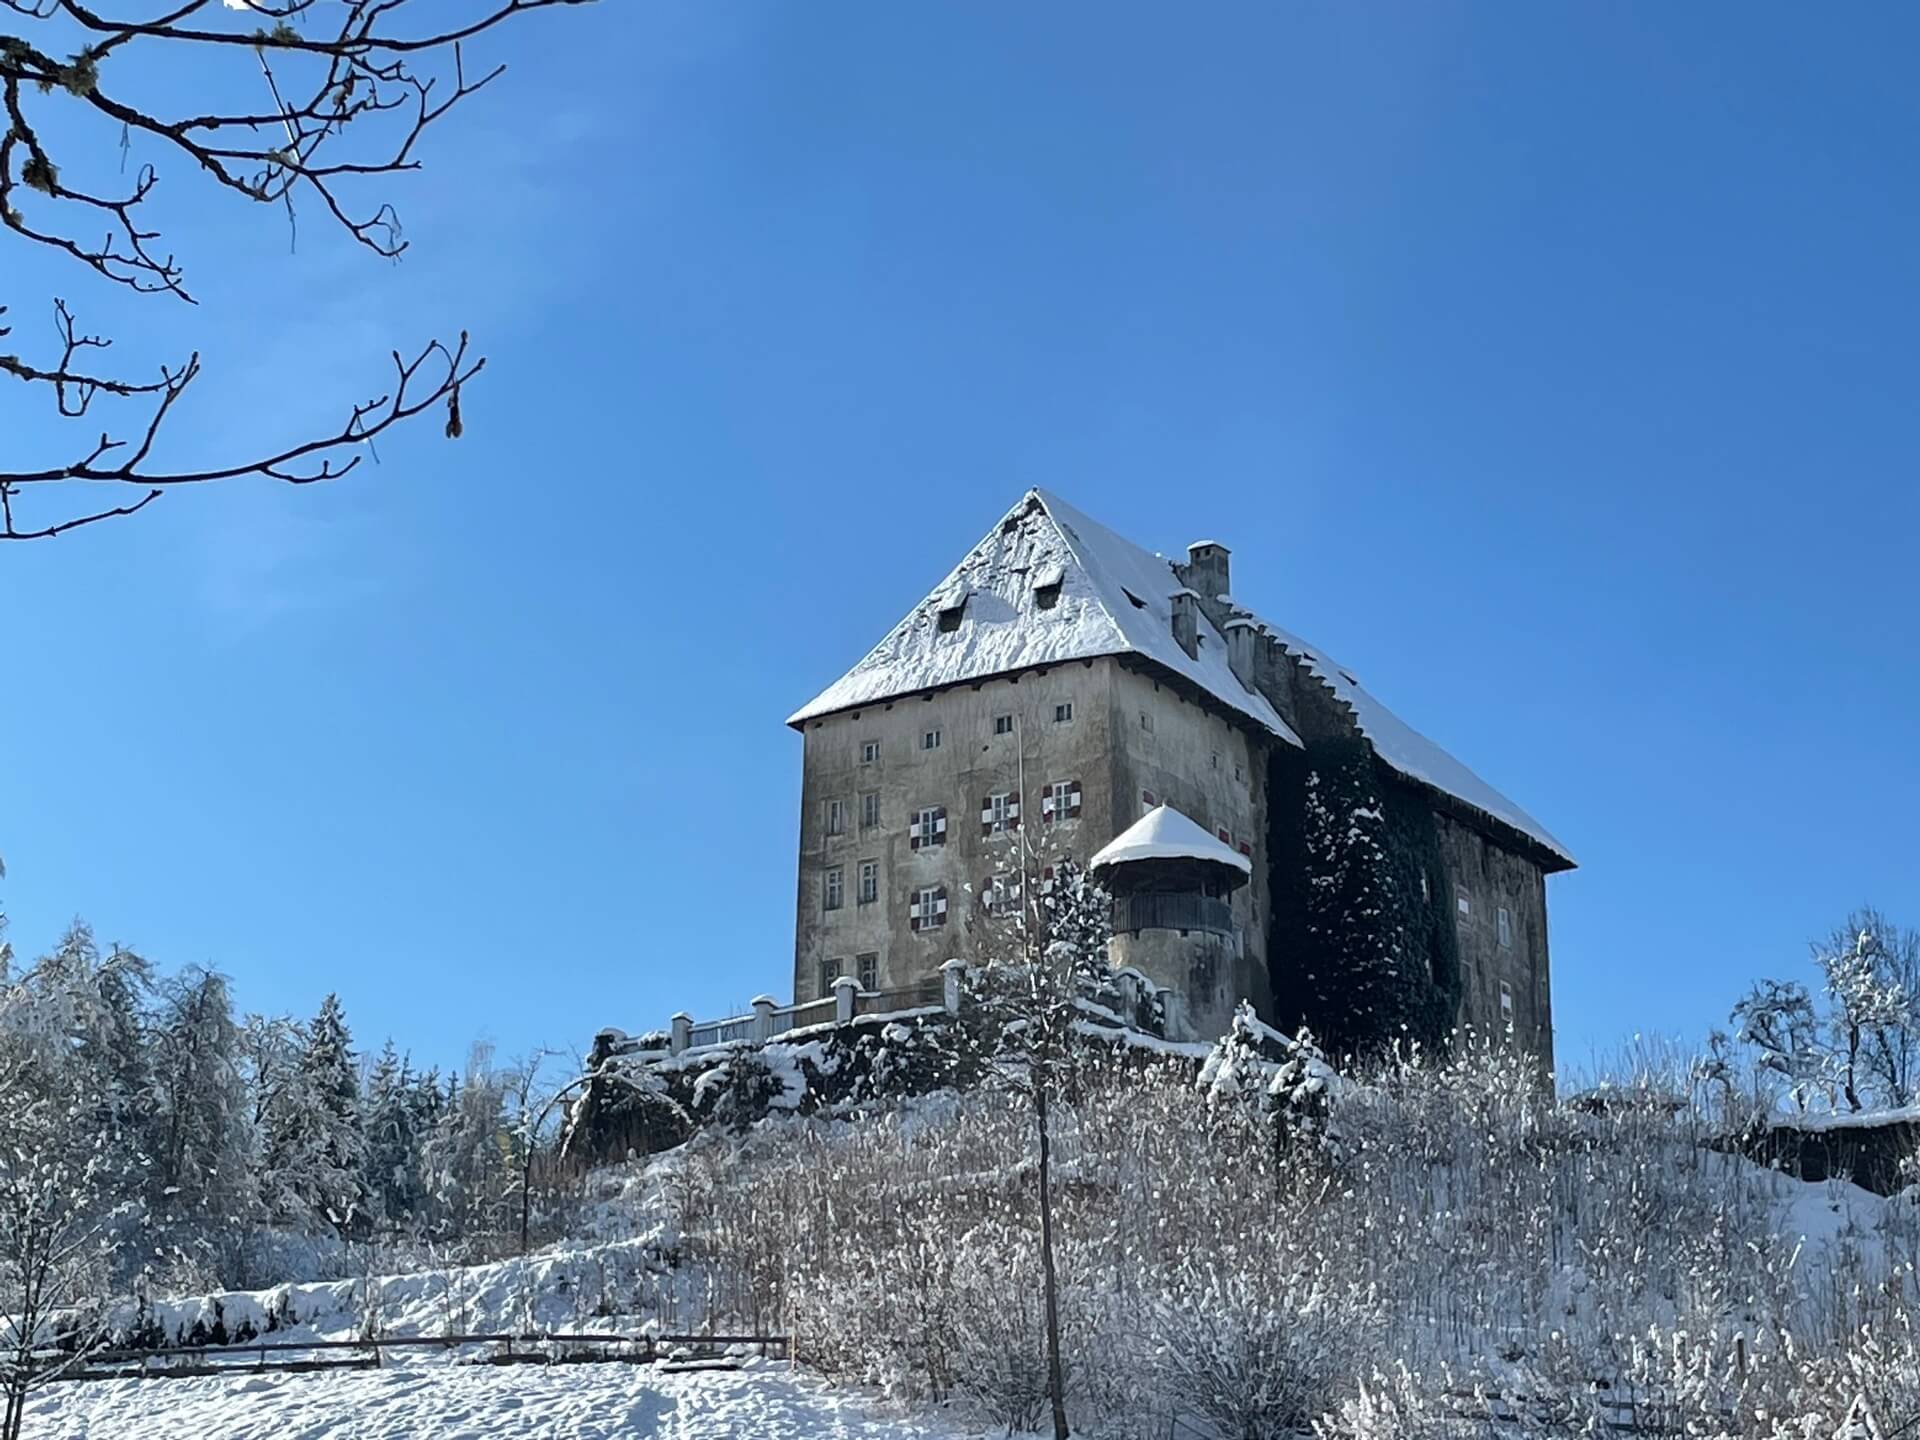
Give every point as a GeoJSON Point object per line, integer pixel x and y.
{"type": "Point", "coordinates": [1138, 603]}
{"type": "Point", "coordinates": [950, 607]}
{"type": "Point", "coordinates": [1047, 596]}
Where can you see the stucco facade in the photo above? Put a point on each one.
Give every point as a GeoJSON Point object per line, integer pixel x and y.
{"type": "Point", "coordinates": [1123, 743]}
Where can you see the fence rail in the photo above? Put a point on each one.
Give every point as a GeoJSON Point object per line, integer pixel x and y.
{"type": "Point", "coordinates": [192, 1361]}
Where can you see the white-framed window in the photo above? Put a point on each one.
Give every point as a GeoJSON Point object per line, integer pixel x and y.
{"type": "Point", "coordinates": [869, 970]}
{"type": "Point", "coordinates": [1146, 721]}
{"type": "Point", "coordinates": [836, 887]}
{"type": "Point", "coordinates": [999, 812]}
{"type": "Point", "coordinates": [1506, 928]}
{"type": "Point", "coordinates": [929, 828]}
{"type": "Point", "coordinates": [1226, 835]}
{"type": "Point", "coordinates": [836, 817]}
{"type": "Point", "coordinates": [1506, 1003]}
{"type": "Point", "coordinates": [870, 810]}
{"type": "Point", "coordinates": [928, 909]}
{"type": "Point", "coordinates": [869, 890]}
{"type": "Point", "coordinates": [830, 971]}
{"type": "Point", "coordinates": [930, 739]}
{"type": "Point", "coordinates": [1462, 903]}
{"type": "Point", "coordinates": [869, 751]}
{"type": "Point", "coordinates": [1063, 713]}
{"type": "Point", "coordinates": [1060, 801]}
{"type": "Point", "coordinates": [1003, 724]}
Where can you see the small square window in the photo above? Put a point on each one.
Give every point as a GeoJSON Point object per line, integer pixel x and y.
{"type": "Point", "coordinates": [870, 810]}
{"type": "Point", "coordinates": [1146, 721]}
{"type": "Point", "coordinates": [836, 887]}
{"type": "Point", "coordinates": [869, 751]}
{"type": "Point", "coordinates": [1003, 724]}
{"type": "Point", "coordinates": [869, 976]}
{"type": "Point", "coordinates": [1240, 772]}
{"type": "Point", "coordinates": [836, 817]}
{"type": "Point", "coordinates": [1463, 903]}
{"type": "Point", "coordinates": [1506, 928]}
{"type": "Point", "coordinates": [1148, 801]}
{"type": "Point", "coordinates": [1063, 713]}
{"type": "Point", "coordinates": [1226, 835]}
{"type": "Point", "coordinates": [869, 890]}
{"type": "Point", "coordinates": [830, 971]}
{"type": "Point", "coordinates": [930, 740]}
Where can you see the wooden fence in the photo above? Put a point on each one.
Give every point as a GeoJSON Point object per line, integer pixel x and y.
{"type": "Point", "coordinates": [673, 1352]}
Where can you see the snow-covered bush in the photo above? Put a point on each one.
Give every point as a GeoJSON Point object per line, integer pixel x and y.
{"type": "Point", "coordinates": [1504, 1248]}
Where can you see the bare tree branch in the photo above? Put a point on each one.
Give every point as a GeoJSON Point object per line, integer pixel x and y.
{"type": "Point", "coordinates": [343, 103]}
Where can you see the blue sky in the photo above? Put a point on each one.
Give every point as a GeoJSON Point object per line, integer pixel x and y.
{"type": "Point", "coordinates": [1551, 366]}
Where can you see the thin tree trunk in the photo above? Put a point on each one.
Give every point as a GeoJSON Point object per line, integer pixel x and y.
{"type": "Point", "coordinates": [1056, 1389]}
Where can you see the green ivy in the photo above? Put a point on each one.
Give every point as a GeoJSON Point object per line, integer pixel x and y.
{"type": "Point", "coordinates": [1359, 954]}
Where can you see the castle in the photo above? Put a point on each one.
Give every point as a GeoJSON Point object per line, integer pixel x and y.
{"type": "Point", "coordinates": [1063, 678]}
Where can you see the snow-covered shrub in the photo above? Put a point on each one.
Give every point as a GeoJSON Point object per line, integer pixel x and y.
{"type": "Point", "coordinates": [1260, 1343]}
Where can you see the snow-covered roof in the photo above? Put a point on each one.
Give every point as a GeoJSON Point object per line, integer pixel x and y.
{"type": "Point", "coordinates": [1115, 599]}
{"type": "Point", "coordinates": [1163, 833]}
{"type": "Point", "coordinates": [1412, 754]}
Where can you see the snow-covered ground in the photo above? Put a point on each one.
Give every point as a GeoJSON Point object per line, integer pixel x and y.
{"type": "Point", "coordinates": [433, 1400]}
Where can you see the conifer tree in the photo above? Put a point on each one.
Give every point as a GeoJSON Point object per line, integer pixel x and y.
{"type": "Point", "coordinates": [1361, 988]}
{"type": "Point", "coordinates": [315, 1148]}
{"type": "Point", "coordinates": [394, 1185]}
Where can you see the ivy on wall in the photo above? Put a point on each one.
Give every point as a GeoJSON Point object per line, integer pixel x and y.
{"type": "Point", "coordinates": [1362, 953]}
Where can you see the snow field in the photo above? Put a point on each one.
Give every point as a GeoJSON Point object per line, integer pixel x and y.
{"type": "Point", "coordinates": [433, 1400]}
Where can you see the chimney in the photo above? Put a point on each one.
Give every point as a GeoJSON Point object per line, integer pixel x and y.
{"type": "Point", "coordinates": [1207, 569]}
{"type": "Point", "coordinates": [1242, 639]}
{"type": "Point", "coordinates": [1186, 622]}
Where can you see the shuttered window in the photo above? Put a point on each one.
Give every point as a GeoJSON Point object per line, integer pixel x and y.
{"type": "Point", "coordinates": [928, 909]}
{"type": "Point", "coordinates": [998, 812]}
{"type": "Point", "coordinates": [1061, 801]}
{"type": "Point", "coordinates": [929, 828]}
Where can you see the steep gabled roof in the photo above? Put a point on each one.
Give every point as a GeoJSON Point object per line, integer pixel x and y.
{"type": "Point", "coordinates": [1114, 598]}
{"type": "Point", "coordinates": [1164, 833]}
{"type": "Point", "coordinates": [1408, 752]}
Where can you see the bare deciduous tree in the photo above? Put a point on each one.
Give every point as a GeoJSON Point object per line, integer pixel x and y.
{"type": "Point", "coordinates": [347, 90]}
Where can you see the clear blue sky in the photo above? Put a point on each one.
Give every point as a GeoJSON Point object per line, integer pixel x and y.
{"type": "Point", "coordinates": [1553, 366]}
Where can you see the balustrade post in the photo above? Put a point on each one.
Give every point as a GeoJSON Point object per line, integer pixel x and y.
{"type": "Point", "coordinates": [953, 977]}
{"type": "Point", "coordinates": [845, 989]}
{"type": "Point", "coordinates": [762, 1019]}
